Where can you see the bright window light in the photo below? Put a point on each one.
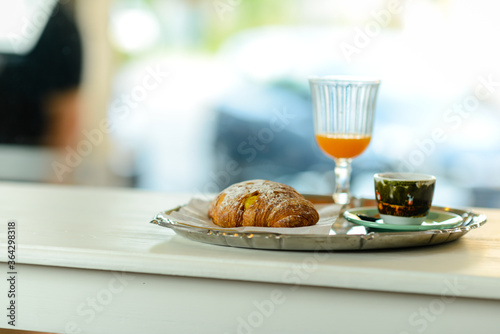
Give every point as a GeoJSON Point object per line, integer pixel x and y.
{"type": "Point", "coordinates": [134, 29]}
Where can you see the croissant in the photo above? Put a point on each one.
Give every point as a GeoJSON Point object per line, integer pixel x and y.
{"type": "Point", "coordinates": [261, 203]}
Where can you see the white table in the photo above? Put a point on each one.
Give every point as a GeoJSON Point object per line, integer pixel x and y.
{"type": "Point", "coordinates": [88, 261]}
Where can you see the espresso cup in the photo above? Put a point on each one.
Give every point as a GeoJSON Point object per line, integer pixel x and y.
{"type": "Point", "coordinates": [404, 198]}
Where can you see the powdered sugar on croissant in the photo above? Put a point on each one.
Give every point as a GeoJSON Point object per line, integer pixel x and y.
{"type": "Point", "coordinates": [262, 203]}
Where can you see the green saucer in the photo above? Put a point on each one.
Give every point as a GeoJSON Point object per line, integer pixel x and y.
{"type": "Point", "coordinates": [435, 220]}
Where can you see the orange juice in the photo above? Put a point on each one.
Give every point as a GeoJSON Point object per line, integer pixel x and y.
{"type": "Point", "coordinates": [343, 145]}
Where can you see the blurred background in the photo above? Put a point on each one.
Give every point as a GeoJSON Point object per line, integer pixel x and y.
{"type": "Point", "coordinates": [194, 95]}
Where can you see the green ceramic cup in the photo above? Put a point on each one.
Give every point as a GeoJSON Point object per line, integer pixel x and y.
{"type": "Point", "coordinates": [404, 198]}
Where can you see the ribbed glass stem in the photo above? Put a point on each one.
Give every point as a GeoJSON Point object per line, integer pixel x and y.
{"type": "Point", "coordinates": [342, 178]}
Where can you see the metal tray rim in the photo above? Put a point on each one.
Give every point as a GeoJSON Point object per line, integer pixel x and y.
{"type": "Point", "coordinates": [279, 241]}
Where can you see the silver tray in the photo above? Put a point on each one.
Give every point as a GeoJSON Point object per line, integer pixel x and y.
{"type": "Point", "coordinates": [349, 237]}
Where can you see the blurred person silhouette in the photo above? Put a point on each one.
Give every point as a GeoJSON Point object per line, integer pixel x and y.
{"type": "Point", "coordinates": [39, 89]}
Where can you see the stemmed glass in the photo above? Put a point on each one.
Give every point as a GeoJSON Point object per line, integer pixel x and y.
{"type": "Point", "coordinates": [344, 109]}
